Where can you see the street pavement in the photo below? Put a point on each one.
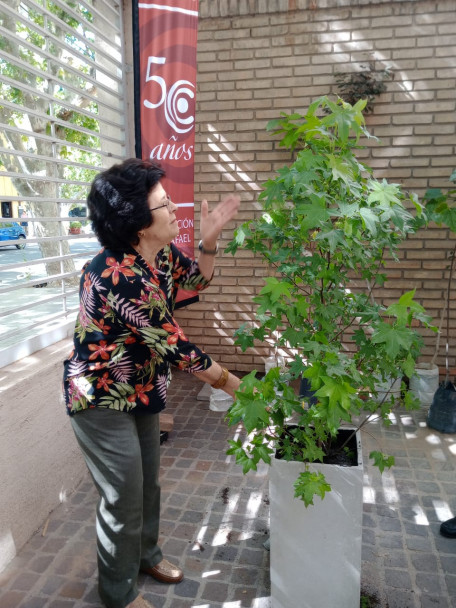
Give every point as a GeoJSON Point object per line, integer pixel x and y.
{"type": "Point", "coordinates": [28, 260]}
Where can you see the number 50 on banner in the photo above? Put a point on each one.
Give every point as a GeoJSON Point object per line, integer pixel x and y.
{"type": "Point", "coordinates": [175, 100]}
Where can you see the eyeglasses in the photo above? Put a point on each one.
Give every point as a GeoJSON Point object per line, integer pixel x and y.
{"type": "Point", "coordinates": [167, 204]}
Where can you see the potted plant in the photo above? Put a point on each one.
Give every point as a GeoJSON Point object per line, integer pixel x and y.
{"type": "Point", "coordinates": [325, 231]}
{"type": "Point", "coordinates": [75, 227]}
{"type": "Point", "coordinates": [441, 209]}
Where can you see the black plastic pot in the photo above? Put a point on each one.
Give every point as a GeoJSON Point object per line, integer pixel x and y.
{"type": "Point", "coordinates": [442, 413]}
{"type": "Point", "coordinates": [306, 392]}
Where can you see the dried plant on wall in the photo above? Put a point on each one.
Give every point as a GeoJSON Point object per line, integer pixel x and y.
{"type": "Point", "coordinates": [368, 83]}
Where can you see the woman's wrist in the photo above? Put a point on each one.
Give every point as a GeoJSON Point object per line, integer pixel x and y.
{"type": "Point", "coordinates": [222, 379]}
{"type": "Point", "coordinates": [214, 373]}
{"type": "Point", "coordinates": [208, 248]}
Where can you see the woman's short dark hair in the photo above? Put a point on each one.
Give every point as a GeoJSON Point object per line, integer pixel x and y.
{"type": "Point", "coordinates": [118, 202]}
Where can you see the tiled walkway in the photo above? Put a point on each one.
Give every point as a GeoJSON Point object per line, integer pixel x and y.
{"type": "Point", "coordinates": [215, 521]}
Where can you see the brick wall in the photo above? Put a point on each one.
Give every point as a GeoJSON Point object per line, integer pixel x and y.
{"type": "Point", "coordinates": [256, 59]}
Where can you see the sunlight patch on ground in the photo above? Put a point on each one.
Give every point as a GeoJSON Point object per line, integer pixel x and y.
{"type": "Point", "coordinates": [221, 536]}
{"type": "Point", "coordinates": [211, 573]}
{"type": "Point", "coordinates": [411, 436]}
{"type": "Point", "coordinates": [389, 487]}
{"type": "Point", "coordinates": [442, 509]}
{"type": "Point", "coordinates": [254, 504]}
{"type": "Point", "coordinates": [433, 439]}
{"type": "Point", "coordinates": [392, 418]}
{"type": "Point", "coordinates": [369, 495]}
{"type": "Point", "coordinates": [261, 602]}
{"type": "Point", "coordinates": [231, 506]}
{"type": "Point", "coordinates": [420, 516]}
{"type": "Point", "coordinates": [199, 538]}
{"type": "Point", "coordinates": [368, 490]}
{"type": "Point", "coordinates": [407, 420]}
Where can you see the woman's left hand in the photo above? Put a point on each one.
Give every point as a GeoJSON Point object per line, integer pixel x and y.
{"type": "Point", "coordinates": [211, 224]}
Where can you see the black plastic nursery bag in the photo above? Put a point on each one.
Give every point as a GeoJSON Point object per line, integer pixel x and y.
{"type": "Point", "coordinates": [442, 413]}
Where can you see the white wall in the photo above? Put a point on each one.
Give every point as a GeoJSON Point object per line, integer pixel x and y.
{"type": "Point", "coordinates": [40, 462]}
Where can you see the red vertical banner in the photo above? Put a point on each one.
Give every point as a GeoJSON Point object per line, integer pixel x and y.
{"type": "Point", "coordinates": [167, 38]}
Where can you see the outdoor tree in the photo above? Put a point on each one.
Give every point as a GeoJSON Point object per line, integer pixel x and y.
{"type": "Point", "coordinates": [50, 142]}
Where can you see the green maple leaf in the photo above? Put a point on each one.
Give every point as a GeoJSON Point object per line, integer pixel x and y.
{"type": "Point", "coordinates": [334, 238]}
{"type": "Point", "coordinates": [348, 209]}
{"type": "Point", "coordinates": [342, 119]}
{"type": "Point", "coordinates": [274, 190]}
{"type": "Point", "coordinates": [302, 179]}
{"type": "Point", "coordinates": [245, 341]}
{"type": "Point", "coordinates": [370, 220]}
{"type": "Point", "coordinates": [313, 215]}
{"type": "Point", "coordinates": [383, 193]}
{"type": "Point", "coordinates": [434, 194]}
{"type": "Point", "coordinates": [408, 366]}
{"type": "Point", "coordinates": [296, 366]}
{"type": "Point", "coordinates": [240, 234]}
{"type": "Point", "coordinates": [449, 218]}
{"type": "Point", "coordinates": [406, 308]}
{"type": "Point", "coordinates": [439, 210]}
{"type": "Point", "coordinates": [255, 412]}
{"type": "Point", "coordinates": [293, 336]}
{"type": "Point", "coordinates": [264, 453]}
{"type": "Point", "coordinates": [242, 458]}
{"type": "Point", "coordinates": [393, 337]}
{"type": "Point", "coordinates": [311, 484]}
{"type": "Point", "coordinates": [410, 401]}
{"type": "Point", "coordinates": [251, 408]}
{"type": "Point", "coordinates": [337, 392]}
{"type": "Point", "coordinates": [382, 461]}
{"type": "Point", "coordinates": [340, 169]}
{"type": "Point", "coordinates": [400, 309]}
{"type": "Point", "coordinates": [276, 289]}
{"type": "Point", "coordinates": [306, 159]}
{"type": "Point", "coordinates": [337, 405]}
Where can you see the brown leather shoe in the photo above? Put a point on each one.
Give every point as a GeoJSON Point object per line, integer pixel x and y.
{"type": "Point", "coordinates": [165, 572]}
{"type": "Point", "coordinates": [140, 602]}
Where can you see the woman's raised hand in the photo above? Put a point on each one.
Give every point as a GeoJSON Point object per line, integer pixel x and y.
{"type": "Point", "coordinates": [212, 223]}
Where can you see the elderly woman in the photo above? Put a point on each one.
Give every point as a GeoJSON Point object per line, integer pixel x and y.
{"type": "Point", "coordinates": [116, 378]}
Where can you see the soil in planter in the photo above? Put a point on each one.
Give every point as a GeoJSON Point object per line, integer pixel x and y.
{"type": "Point", "coordinates": [343, 450]}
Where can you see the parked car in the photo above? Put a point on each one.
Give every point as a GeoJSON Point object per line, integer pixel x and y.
{"type": "Point", "coordinates": [10, 231]}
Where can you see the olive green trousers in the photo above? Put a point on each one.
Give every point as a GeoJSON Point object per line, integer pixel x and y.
{"type": "Point", "coordinates": [122, 453]}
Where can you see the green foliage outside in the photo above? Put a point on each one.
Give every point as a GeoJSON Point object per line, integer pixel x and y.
{"type": "Point", "coordinates": [55, 146]}
{"type": "Point", "coordinates": [326, 229]}
{"type": "Point", "coordinates": [66, 88]}
{"type": "Point", "coordinates": [441, 205]}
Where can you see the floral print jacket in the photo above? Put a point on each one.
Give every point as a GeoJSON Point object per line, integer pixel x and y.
{"type": "Point", "coordinates": [125, 335]}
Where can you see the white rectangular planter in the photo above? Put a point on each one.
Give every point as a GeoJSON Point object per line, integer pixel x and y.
{"type": "Point", "coordinates": [316, 551]}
